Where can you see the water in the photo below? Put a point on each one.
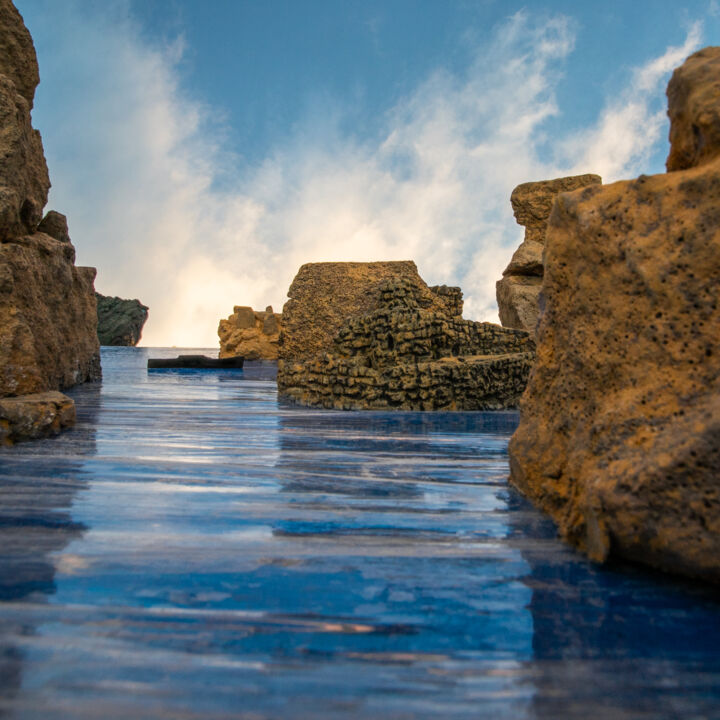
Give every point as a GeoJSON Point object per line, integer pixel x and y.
{"type": "Point", "coordinates": [192, 549]}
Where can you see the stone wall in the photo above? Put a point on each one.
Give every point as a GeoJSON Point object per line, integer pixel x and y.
{"type": "Point", "coordinates": [48, 322]}
{"type": "Point", "coordinates": [518, 292]}
{"type": "Point", "coordinates": [407, 355]}
{"type": "Point", "coordinates": [250, 333]}
{"type": "Point", "coordinates": [619, 437]}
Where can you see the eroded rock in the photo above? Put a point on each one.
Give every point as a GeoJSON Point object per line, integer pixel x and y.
{"type": "Point", "coordinates": [30, 417]}
{"type": "Point", "coordinates": [518, 292]}
{"type": "Point", "coordinates": [48, 324]}
{"type": "Point", "coordinates": [619, 438]}
{"type": "Point", "coordinates": [412, 353]}
{"type": "Point", "coordinates": [252, 334]}
{"type": "Point", "coordinates": [120, 322]}
{"type": "Point", "coordinates": [324, 295]}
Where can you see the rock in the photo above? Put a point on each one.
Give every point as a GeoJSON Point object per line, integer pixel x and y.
{"type": "Point", "coordinates": [518, 292]}
{"type": "Point", "coordinates": [694, 111]}
{"type": "Point", "coordinates": [55, 225]}
{"type": "Point", "coordinates": [518, 298]}
{"type": "Point", "coordinates": [119, 322]}
{"type": "Point", "coordinates": [48, 322]}
{"type": "Point", "coordinates": [29, 417]}
{"type": "Point", "coordinates": [405, 354]}
{"type": "Point", "coordinates": [324, 295]}
{"type": "Point", "coordinates": [251, 334]}
{"type": "Point", "coordinates": [619, 437]}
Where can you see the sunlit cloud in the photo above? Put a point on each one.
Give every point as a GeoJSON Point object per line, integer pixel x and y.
{"type": "Point", "coordinates": [166, 214]}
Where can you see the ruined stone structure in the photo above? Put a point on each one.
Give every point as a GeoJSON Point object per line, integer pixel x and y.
{"type": "Point", "coordinates": [413, 351]}
{"type": "Point", "coordinates": [619, 438]}
{"type": "Point", "coordinates": [518, 291]}
{"type": "Point", "coordinates": [250, 333]}
{"type": "Point", "coordinates": [120, 322]}
{"type": "Point", "coordinates": [48, 322]}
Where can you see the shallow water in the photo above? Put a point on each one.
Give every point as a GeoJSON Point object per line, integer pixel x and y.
{"type": "Point", "coordinates": [192, 549]}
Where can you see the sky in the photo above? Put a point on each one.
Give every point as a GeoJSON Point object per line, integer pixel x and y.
{"type": "Point", "coordinates": [203, 150]}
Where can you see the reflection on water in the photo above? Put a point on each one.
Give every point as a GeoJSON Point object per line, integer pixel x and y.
{"type": "Point", "coordinates": [194, 549]}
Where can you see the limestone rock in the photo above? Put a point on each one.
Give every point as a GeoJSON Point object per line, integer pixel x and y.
{"type": "Point", "coordinates": [694, 110]}
{"type": "Point", "coordinates": [48, 322]}
{"type": "Point", "coordinates": [29, 417]}
{"type": "Point", "coordinates": [17, 53]}
{"type": "Point", "coordinates": [619, 438]}
{"type": "Point", "coordinates": [324, 295]}
{"type": "Point", "coordinates": [55, 225]}
{"type": "Point", "coordinates": [404, 354]}
{"type": "Point", "coordinates": [119, 322]}
{"type": "Point", "coordinates": [253, 334]}
{"type": "Point", "coordinates": [518, 292]}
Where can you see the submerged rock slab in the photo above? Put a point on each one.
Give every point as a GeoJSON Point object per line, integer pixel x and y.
{"type": "Point", "coordinates": [120, 322]}
{"type": "Point", "coordinates": [30, 417]}
{"type": "Point", "coordinates": [404, 355]}
{"type": "Point", "coordinates": [518, 292]}
{"type": "Point", "coordinates": [253, 334]}
{"type": "Point", "coordinates": [619, 438]}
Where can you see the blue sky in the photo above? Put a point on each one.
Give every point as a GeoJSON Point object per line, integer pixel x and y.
{"type": "Point", "coordinates": [204, 150]}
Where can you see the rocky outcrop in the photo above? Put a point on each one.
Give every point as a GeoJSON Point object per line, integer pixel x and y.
{"type": "Point", "coordinates": [250, 333]}
{"type": "Point", "coordinates": [619, 437]}
{"type": "Point", "coordinates": [413, 351]}
{"type": "Point", "coordinates": [324, 295]}
{"type": "Point", "coordinates": [120, 322]}
{"type": "Point", "coordinates": [48, 338]}
{"type": "Point", "coordinates": [30, 417]}
{"type": "Point", "coordinates": [518, 292]}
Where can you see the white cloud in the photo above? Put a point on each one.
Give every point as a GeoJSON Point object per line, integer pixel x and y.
{"type": "Point", "coordinates": [133, 162]}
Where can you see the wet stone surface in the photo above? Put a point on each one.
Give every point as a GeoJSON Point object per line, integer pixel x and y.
{"type": "Point", "coordinates": [193, 549]}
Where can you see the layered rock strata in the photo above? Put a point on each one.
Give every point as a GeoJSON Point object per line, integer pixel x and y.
{"type": "Point", "coordinates": [619, 438]}
{"type": "Point", "coordinates": [518, 292]}
{"type": "Point", "coordinates": [252, 334]}
{"type": "Point", "coordinates": [48, 338]}
{"type": "Point", "coordinates": [120, 322]}
{"type": "Point", "coordinates": [411, 352]}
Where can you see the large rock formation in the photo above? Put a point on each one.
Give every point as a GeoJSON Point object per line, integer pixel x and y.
{"type": "Point", "coordinates": [120, 322]}
{"type": "Point", "coordinates": [324, 295]}
{"type": "Point", "coordinates": [249, 333]}
{"type": "Point", "coordinates": [411, 350]}
{"type": "Point", "coordinates": [48, 324]}
{"type": "Point", "coordinates": [518, 292]}
{"type": "Point", "coordinates": [619, 438]}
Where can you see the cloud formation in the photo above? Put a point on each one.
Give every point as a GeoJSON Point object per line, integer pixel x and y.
{"type": "Point", "coordinates": [156, 202]}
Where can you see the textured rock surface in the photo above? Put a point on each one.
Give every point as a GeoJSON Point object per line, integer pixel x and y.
{"type": "Point", "coordinates": [518, 292]}
{"type": "Point", "coordinates": [29, 417]}
{"type": "Point", "coordinates": [120, 322]}
{"type": "Point", "coordinates": [694, 110]}
{"type": "Point", "coordinates": [619, 438]}
{"type": "Point", "coordinates": [48, 324]}
{"type": "Point", "coordinates": [324, 295]}
{"type": "Point", "coordinates": [406, 355]}
{"type": "Point", "coordinates": [250, 333]}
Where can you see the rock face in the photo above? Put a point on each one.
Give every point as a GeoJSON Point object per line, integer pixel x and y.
{"type": "Point", "coordinates": [324, 295]}
{"type": "Point", "coordinates": [48, 337]}
{"type": "Point", "coordinates": [413, 351]}
{"type": "Point", "coordinates": [30, 417]}
{"type": "Point", "coordinates": [619, 438]}
{"type": "Point", "coordinates": [250, 333]}
{"type": "Point", "coordinates": [518, 292]}
{"type": "Point", "coordinates": [120, 322]}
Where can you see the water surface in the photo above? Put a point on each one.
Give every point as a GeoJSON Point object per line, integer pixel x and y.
{"type": "Point", "coordinates": [193, 549]}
